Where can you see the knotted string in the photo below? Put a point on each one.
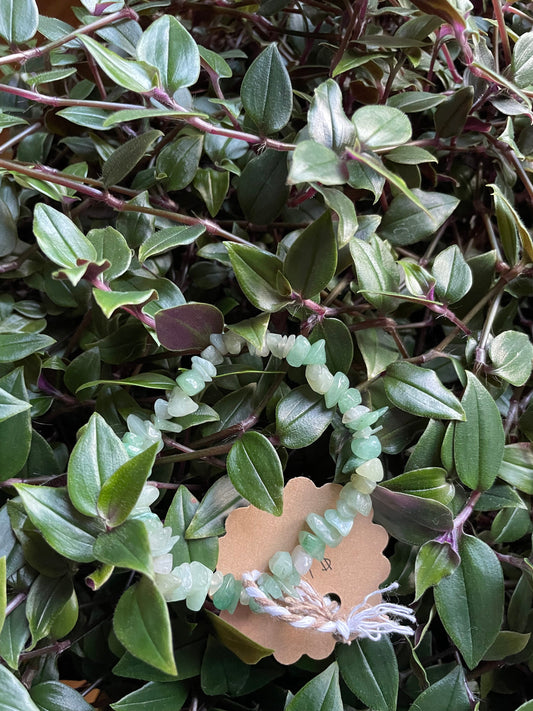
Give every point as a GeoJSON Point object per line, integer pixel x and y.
{"type": "Point", "coordinates": [310, 610]}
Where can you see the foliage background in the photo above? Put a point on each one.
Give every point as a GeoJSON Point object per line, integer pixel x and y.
{"type": "Point", "coordinates": [354, 172]}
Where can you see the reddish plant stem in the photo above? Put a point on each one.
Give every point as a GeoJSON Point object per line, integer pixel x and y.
{"type": "Point", "coordinates": [107, 198]}
{"type": "Point", "coordinates": [22, 57]}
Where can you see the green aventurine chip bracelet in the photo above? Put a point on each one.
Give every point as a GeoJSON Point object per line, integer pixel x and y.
{"type": "Point", "coordinates": [281, 592]}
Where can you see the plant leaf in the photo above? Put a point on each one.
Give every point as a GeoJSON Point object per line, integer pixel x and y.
{"type": "Point", "coordinates": [370, 670]}
{"type": "Point", "coordinates": [470, 600]}
{"type": "Point", "coordinates": [447, 693]}
{"type": "Point", "coordinates": [97, 454]}
{"type": "Point", "coordinates": [18, 20]}
{"type": "Point", "coordinates": [188, 327]}
{"type": "Point", "coordinates": [266, 91]}
{"type": "Point", "coordinates": [14, 693]}
{"type": "Point", "coordinates": [408, 518]}
{"type": "Point", "coordinates": [134, 76]}
{"type": "Point", "coordinates": [327, 122]}
{"type": "Point", "coordinates": [59, 238]}
{"type": "Point", "coordinates": [479, 440]}
{"type": "Point", "coordinates": [141, 623]}
{"type": "Point", "coordinates": [407, 221]}
{"type": "Point", "coordinates": [311, 260]}
{"type": "Point", "coordinates": [53, 695]}
{"type": "Point", "coordinates": [154, 696]}
{"type": "Point", "coordinates": [381, 127]}
{"type": "Point", "coordinates": [511, 353]}
{"type": "Point", "coordinates": [124, 158]}
{"type": "Point", "coordinates": [119, 493]}
{"type": "Point", "coordinates": [255, 471]}
{"type": "Point", "coordinates": [126, 546]}
{"type": "Point", "coordinates": [301, 417]}
{"type": "Point", "coordinates": [322, 693]}
{"type": "Point", "coordinates": [68, 532]}
{"type": "Point", "coordinates": [167, 45]}
{"type": "Point", "coordinates": [256, 272]}
{"type": "Point", "coordinates": [110, 301]}
{"type": "Point", "coordinates": [217, 504]}
{"type": "Point", "coordinates": [420, 392]}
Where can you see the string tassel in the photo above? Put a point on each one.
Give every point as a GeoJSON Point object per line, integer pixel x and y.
{"type": "Point", "coordinates": [310, 610]}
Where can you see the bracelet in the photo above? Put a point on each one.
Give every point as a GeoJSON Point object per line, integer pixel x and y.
{"type": "Point", "coordinates": [281, 592]}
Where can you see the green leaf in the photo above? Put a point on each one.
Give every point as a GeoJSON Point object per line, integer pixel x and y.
{"type": "Point", "coordinates": [222, 671]}
{"type": "Point", "coordinates": [511, 353]}
{"type": "Point", "coordinates": [60, 239]}
{"type": "Point", "coordinates": [252, 329]}
{"type": "Point", "coordinates": [179, 516]}
{"type": "Point", "coordinates": [434, 561]}
{"type": "Point", "coordinates": [453, 277]}
{"type": "Point", "coordinates": [339, 343]}
{"type": "Point", "coordinates": [266, 91]}
{"type": "Point", "coordinates": [154, 381]}
{"type": "Point", "coordinates": [517, 466]}
{"type": "Point", "coordinates": [46, 599]}
{"type": "Point", "coordinates": [15, 424]}
{"type": "Point", "coordinates": [410, 155]}
{"type": "Point", "coordinates": [406, 222]}
{"type": "Point", "coordinates": [370, 670]}
{"type": "Point", "coordinates": [301, 417]}
{"type": "Point", "coordinates": [408, 518]}
{"type": "Point", "coordinates": [119, 493]}
{"type": "Point", "coordinates": [327, 122]}
{"type": "Point", "coordinates": [154, 696]}
{"type": "Point", "coordinates": [376, 271]}
{"type": "Point", "coordinates": [381, 127]}
{"type": "Point", "coordinates": [86, 116]}
{"type": "Point", "coordinates": [178, 162]}
{"type": "Point", "coordinates": [451, 115]}
{"type": "Point", "coordinates": [213, 186]}
{"type": "Point", "coordinates": [510, 525]}
{"type": "Point", "coordinates": [13, 638]}
{"type": "Point", "coordinates": [256, 272]}
{"type": "Point", "coordinates": [132, 75]}
{"type": "Point", "coordinates": [8, 226]}
{"type": "Point", "coordinates": [97, 454]}
{"type": "Point", "coordinates": [262, 191]}
{"type": "Point", "coordinates": [311, 260]}
{"type": "Point", "coordinates": [499, 496]}
{"type": "Point", "coordinates": [411, 102]}
{"type": "Point", "coordinates": [378, 349]}
{"type": "Point", "coordinates": [420, 392]}
{"type": "Point", "coordinates": [446, 694]}
{"type": "Point", "coordinates": [522, 64]}
{"type": "Point", "coordinates": [322, 693]}
{"type": "Point", "coordinates": [213, 60]}
{"type": "Point", "coordinates": [428, 482]}
{"type": "Point", "coordinates": [221, 499]}
{"type": "Point", "coordinates": [479, 440]}
{"type": "Point", "coordinates": [141, 623]}
{"type": "Point", "coordinates": [110, 245]}
{"type": "Point", "coordinates": [506, 644]}
{"type": "Point", "coordinates": [126, 546]}
{"type": "Point", "coordinates": [470, 600]}
{"type": "Point", "coordinates": [18, 20]}
{"type": "Point", "coordinates": [311, 161]}
{"type": "Point", "coordinates": [124, 158]}
{"type": "Point", "coordinates": [188, 327]}
{"type": "Point", "coordinates": [169, 238]}
{"type": "Point", "coordinates": [344, 208]}
{"type": "Point", "coordinates": [126, 115]}
{"type": "Point", "coordinates": [53, 695]}
{"type": "Point", "coordinates": [65, 529]}
{"type": "Point", "coordinates": [511, 229]}
{"type": "Point", "coordinates": [255, 471]}
{"type": "Point", "coordinates": [3, 591]}
{"type": "Point", "coordinates": [110, 301]}
{"type": "Point", "coordinates": [14, 695]}
{"type": "Point", "coordinates": [167, 45]}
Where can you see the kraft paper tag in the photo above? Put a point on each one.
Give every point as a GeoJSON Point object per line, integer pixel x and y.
{"type": "Point", "coordinates": [350, 571]}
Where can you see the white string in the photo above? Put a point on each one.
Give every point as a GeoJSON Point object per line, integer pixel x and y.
{"type": "Point", "coordinates": [322, 614]}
